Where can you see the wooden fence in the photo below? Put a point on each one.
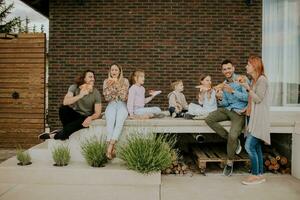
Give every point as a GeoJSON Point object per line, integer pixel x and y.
{"type": "Point", "coordinates": [22, 89]}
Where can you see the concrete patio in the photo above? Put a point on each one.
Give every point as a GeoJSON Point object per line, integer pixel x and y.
{"type": "Point", "coordinates": [42, 181]}
{"type": "Point", "coordinates": [211, 187]}
{"type": "Point", "coordinates": [215, 186]}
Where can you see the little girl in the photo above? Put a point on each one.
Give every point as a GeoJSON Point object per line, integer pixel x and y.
{"type": "Point", "coordinates": [206, 99]}
{"type": "Point", "coordinates": [136, 98]}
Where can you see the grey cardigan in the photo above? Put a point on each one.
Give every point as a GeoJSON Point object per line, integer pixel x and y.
{"type": "Point", "coordinates": [259, 124]}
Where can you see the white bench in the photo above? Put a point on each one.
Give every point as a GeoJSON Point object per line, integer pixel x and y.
{"type": "Point", "coordinates": [281, 122]}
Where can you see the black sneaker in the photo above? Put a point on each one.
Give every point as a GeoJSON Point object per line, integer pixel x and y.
{"type": "Point", "coordinates": [188, 116]}
{"type": "Point", "coordinates": [228, 169]}
{"type": "Point", "coordinates": [44, 136]}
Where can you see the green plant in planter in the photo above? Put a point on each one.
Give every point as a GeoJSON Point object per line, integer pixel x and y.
{"type": "Point", "coordinates": [23, 157]}
{"type": "Point", "coordinates": [61, 155]}
{"type": "Point", "coordinates": [147, 154]}
{"type": "Point", "coordinates": [94, 151]}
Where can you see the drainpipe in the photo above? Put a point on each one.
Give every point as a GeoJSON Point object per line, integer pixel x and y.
{"type": "Point", "coordinates": [199, 138]}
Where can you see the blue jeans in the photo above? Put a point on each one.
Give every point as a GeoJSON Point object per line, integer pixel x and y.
{"type": "Point", "coordinates": [116, 114]}
{"type": "Point", "coordinates": [147, 110]}
{"type": "Point", "coordinates": [253, 147]}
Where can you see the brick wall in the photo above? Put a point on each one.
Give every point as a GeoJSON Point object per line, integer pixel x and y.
{"type": "Point", "coordinates": [168, 39]}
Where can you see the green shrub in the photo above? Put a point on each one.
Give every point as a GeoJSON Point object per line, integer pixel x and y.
{"type": "Point", "coordinates": [61, 155]}
{"type": "Point", "coordinates": [94, 151]}
{"type": "Point", "coordinates": [147, 154]}
{"type": "Point", "coordinates": [23, 157]}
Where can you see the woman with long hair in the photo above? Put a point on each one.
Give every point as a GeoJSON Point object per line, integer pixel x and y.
{"type": "Point", "coordinates": [258, 118]}
{"type": "Point", "coordinates": [115, 91]}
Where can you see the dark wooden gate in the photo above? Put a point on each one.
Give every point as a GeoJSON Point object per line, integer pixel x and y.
{"type": "Point", "coordinates": [22, 89]}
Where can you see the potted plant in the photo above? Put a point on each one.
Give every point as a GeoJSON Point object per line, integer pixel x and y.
{"type": "Point", "coordinates": [93, 150]}
{"type": "Point", "coordinates": [61, 155]}
{"type": "Point", "coordinates": [147, 153]}
{"type": "Point", "coordinates": [23, 157]}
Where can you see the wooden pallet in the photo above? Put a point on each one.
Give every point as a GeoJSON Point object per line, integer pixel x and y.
{"type": "Point", "coordinates": [215, 154]}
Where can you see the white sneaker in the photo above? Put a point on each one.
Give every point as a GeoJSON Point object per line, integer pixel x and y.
{"type": "Point", "coordinates": [262, 178]}
{"type": "Point", "coordinates": [253, 181]}
{"type": "Point", "coordinates": [174, 114]}
{"type": "Point", "coordinates": [239, 147]}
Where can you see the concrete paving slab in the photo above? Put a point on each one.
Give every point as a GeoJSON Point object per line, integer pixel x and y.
{"type": "Point", "coordinates": [5, 187]}
{"type": "Point", "coordinates": [43, 172]}
{"type": "Point", "coordinates": [212, 187]}
{"type": "Point", "coordinates": [81, 192]}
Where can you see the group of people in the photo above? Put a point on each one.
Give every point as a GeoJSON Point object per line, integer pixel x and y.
{"type": "Point", "coordinates": [238, 99]}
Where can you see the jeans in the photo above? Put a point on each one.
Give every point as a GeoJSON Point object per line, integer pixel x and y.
{"type": "Point", "coordinates": [237, 125]}
{"type": "Point", "coordinates": [71, 120]}
{"type": "Point", "coordinates": [253, 147]}
{"type": "Point", "coordinates": [197, 109]}
{"type": "Point", "coordinates": [116, 114]}
{"type": "Point", "coordinates": [147, 110]}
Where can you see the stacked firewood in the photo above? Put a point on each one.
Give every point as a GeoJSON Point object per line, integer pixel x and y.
{"type": "Point", "coordinates": [275, 162]}
{"type": "Point", "coordinates": [176, 168]}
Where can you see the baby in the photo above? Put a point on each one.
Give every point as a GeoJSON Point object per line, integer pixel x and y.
{"type": "Point", "coordinates": [177, 102]}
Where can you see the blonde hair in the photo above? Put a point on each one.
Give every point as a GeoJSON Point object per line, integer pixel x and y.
{"type": "Point", "coordinates": [134, 75]}
{"type": "Point", "coordinates": [175, 83]}
{"type": "Point", "coordinates": [120, 77]}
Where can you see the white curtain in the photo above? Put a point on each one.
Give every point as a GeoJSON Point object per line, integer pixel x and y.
{"type": "Point", "coordinates": [281, 49]}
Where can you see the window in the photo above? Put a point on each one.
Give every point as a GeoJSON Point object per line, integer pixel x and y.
{"type": "Point", "coordinates": [281, 50]}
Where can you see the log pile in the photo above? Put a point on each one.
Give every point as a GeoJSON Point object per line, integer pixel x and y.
{"type": "Point", "coordinates": [275, 162]}
{"type": "Point", "coordinates": [176, 168]}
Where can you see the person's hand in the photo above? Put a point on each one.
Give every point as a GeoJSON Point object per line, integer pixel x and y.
{"type": "Point", "coordinates": [115, 80]}
{"type": "Point", "coordinates": [202, 88]}
{"type": "Point", "coordinates": [241, 79]}
{"type": "Point", "coordinates": [219, 94]}
{"type": "Point", "coordinates": [241, 112]}
{"type": "Point", "coordinates": [154, 93]}
{"type": "Point", "coordinates": [83, 92]}
{"type": "Point", "coordinates": [228, 89]}
{"type": "Point", "coordinates": [246, 86]}
{"type": "Point", "coordinates": [151, 92]}
{"type": "Point", "coordinates": [87, 122]}
{"type": "Point", "coordinates": [219, 86]}
{"type": "Point", "coordinates": [178, 108]}
{"type": "Point", "coordinates": [111, 81]}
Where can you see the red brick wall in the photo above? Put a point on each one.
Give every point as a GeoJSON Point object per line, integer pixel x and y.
{"type": "Point", "coordinates": [168, 39]}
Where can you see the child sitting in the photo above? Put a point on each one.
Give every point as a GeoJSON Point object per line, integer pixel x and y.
{"type": "Point", "coordinates": [206, 100]}
{"type": "Point", "coordinates": [136, 99]}
{"type": "Point", "coordinates": [177, 102]}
